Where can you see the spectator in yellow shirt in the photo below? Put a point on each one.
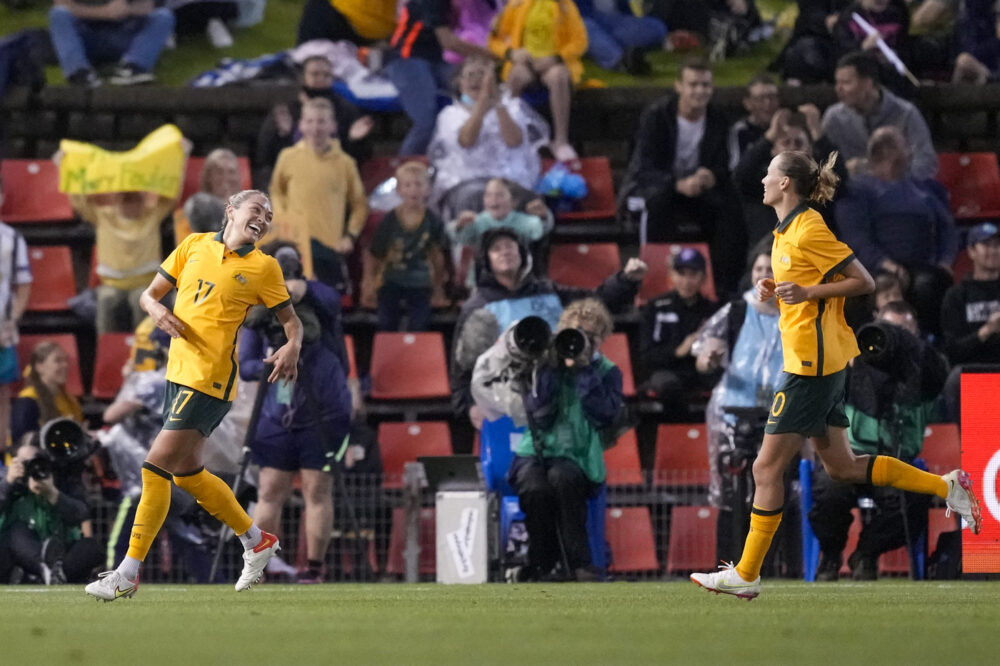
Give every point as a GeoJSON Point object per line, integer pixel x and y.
{"type": "Point", "coordinates": [318, 183]}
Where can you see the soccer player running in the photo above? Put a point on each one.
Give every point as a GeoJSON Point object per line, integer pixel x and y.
{"type": "Point", "coordinates": [219, 277]}
{"type": "Point", "coordinates": [813, 274]}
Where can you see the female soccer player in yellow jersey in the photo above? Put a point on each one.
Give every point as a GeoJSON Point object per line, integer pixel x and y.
{"type": "Point", "coordinates": [218, 277]}
{"type": "Point", "coordinates": [813, 273]}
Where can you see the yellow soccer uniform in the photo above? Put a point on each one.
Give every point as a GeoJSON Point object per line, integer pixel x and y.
{"type": "Point", "coordinates": [540, 28]}
{"type": "Point", "coordinates": [815, 338]}
{"type": "Point", "coordinates": [216, 287]}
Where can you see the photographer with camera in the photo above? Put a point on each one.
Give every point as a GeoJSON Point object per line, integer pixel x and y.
{"type": "Point", "coordinates": [300, 422]}
{"type": "Point", "coordinates": [507, 288]}
{"type": "Point", "coordinates": [42, 509]}
{"type": "Point", "coordinates": [573, 402]}
{"type": "Point", "coordinates": [891, 397]}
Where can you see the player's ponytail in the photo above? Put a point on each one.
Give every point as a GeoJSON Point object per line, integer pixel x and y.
{"type": "Point", "coordinates": [811, 181]}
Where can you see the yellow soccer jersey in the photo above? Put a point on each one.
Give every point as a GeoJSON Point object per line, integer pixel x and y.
{"type": "Point", "coordinates": [815, 337]}
{"type": "Point", "coordinates": [216, 287]}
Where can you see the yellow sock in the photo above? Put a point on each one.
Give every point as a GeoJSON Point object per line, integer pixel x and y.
{"type": "Point", "coordinates": [886, 471]}
{"type": "Point", "coordinates": [217, 498]}
{"type": "Point", "coordinates": [152, 510]}
{"type": "Point", "coordinates": [763, 525]}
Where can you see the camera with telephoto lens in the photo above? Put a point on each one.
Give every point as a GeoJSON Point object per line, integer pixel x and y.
{"type": "Point", "coordinates": [38, 468]}
{"type": "Point", "coordinates": [530, 337]}
{"type": "Point", "coordinates": [891, 349]}
{"type": "Point", "coordinates": [738, 449]}
{"type": "Point", "coordinates": [571, 343]}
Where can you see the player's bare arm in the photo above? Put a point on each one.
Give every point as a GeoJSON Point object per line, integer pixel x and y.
{"type": "Point", "coordinates": [161, 315]}
{"type": "Point", "coordinates": [286, 358]}
{"type": "Point", "coordinates": [857, 282]}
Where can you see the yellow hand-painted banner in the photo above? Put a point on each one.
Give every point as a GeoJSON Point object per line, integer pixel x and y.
{"type": "Point", "coordinates": [156, 164]}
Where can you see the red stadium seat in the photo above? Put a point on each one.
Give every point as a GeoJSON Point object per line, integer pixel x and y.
{"type": "Point", "coordinates": [192, 175]}
{"type": "Point", "coordinates": [583, 265]}
{"type": "Point", "coordinates": [681, 455]}
{"type": "Point", "coordinates": [378, 169]}
{"type": "Point", "coordinates": [600, 202]}
{"type": "Point", "coordinates": [961, 266]}
{"type": "Point", "coordinates": [658, 257]}
{"type": "Point", "coordinates": [942, 448]}
{"type": "Point", "coordinates": [409, 366]}
{"type": "Point", "coordinates": [113, 350]}
{"type": "Point", "coordinates": [692, 542]}
{"type": "Point", "coordinates": [973, 181]}
{"type": "Point", "coordinates": [74, 380]}
{"type": "Point", "coordinates": [622, 461]}
{"type": "Point", "coordinates": [616, 349]}
{"type": "Point", "coordinates": [629, 532]}
{"type": "Point", "coordinates": [938, 524]}
{"type": "Point", "coordinates": [403, 442]}
{"type": "Point", "coordinates": [395, 564]}
{"type": "Point", "coordinates": [31, 192]}
{"type": "Point", "coordinates": [53, 282]}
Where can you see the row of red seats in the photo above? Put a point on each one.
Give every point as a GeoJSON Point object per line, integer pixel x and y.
{"type": "Point", "coordinates": [32, 186]}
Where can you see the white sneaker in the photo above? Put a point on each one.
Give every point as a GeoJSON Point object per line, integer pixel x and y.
{"type": "Point", "coordinates": [255, 559]}
{"type": "Point", "coordinates": [218, 34]}
{"type": "Point", "coordinates": [962, 500]}
{"type": "Point", "coordinates": [111, 585]}
{"type": "Point", "coordinates": [727, 581]}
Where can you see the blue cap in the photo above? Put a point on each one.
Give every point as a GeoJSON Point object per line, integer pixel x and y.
{"type": "Point", "coordinates": [981, 232]}
{"type": "Point", "coordinates": [689, 258]}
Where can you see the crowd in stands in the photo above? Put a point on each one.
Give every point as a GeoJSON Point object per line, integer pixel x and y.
{"type": "Point", "coordinates": [466, 231]}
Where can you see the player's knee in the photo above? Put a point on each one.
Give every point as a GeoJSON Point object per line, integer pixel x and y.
{"type": "Point", "coordinates": [839, 473]}
{"type": "Point", "coordinates": [766, 473]}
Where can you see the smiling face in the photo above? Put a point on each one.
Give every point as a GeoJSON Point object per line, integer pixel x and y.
{"type": "Point", "coordinates": [694, 90]}
{"type": "Point", "coordinates": [497, 199]}
{"type": "Point", "coordinates": [54, 368]}
{"type": "Point", "coordinates": [247, 222]}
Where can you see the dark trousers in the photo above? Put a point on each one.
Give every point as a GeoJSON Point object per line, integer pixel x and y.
{"type": "Point", "coordinates": [321, 21]}
{"type": "Point", "coordinates": [715, 217]}
{"type": "Point", "coordinates": [831, 516]}
{"type": "Point", "coordinates": [394, 300]}
{"type": "Point", "coordinates": [553, 494]}
{"type": "Point", "coordinates": [21, 547]}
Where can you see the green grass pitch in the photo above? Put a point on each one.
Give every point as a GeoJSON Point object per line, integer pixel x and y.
{"type": "Point", "coordinates": [888, 622]}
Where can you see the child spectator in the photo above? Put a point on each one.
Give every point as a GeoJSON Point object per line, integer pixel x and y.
{"type": "Point", "coordinates": [405, 263]}
{"type": "Point", "coordinates": [15, 287]}
{"type": "Point", "coordinates": [498, 211]}
{"type": "Point", "coordinates": [670, 324]}
{"type": "Point", "coordinates": [131, 32]}
{"type": "Point", "coordinates": [543, 41]}
{"type": "Point", "coordinates": [318, 183]}
{"type": "Point", "coordinates": [279, 129]}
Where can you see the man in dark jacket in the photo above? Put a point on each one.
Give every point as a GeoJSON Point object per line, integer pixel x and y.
{"type": "Point", "coordinates": [680, 171]}
{"type": "Point", "coordinates": [970, 313]}
{"type": "Point", "coordinates": [506, 287]}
